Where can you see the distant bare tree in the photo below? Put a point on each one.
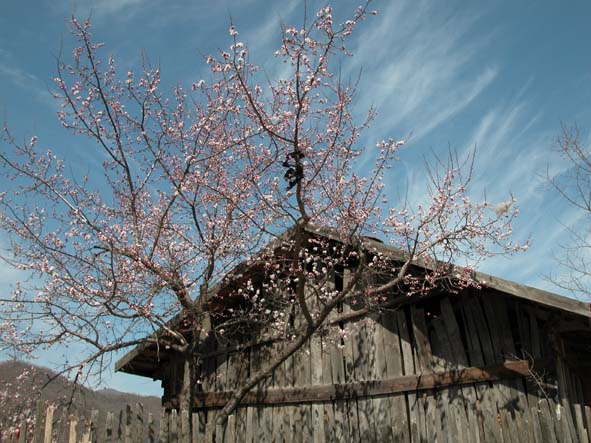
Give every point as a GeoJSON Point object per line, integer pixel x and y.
{"type": "Point", "coordinates": [575, 187]}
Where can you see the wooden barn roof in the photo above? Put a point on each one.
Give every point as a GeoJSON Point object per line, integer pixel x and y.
{"type": "Point", "coordinates": [144, 359]}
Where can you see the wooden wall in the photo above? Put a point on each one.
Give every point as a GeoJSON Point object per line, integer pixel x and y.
{"type": "Point", "coordinates": [386, 358]}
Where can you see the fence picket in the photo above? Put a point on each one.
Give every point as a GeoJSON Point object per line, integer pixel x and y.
{"type": "Point", "coordinates": [48, 424]}
{"type": "Point", "coordinates": [109, 428]}
{"type": "Point", "coordinates": [38, 435]}
{"type": "Point", "coordinates": [73, 425]}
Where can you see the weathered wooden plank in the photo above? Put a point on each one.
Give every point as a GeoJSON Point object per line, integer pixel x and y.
{"type": "Point", "coordinates": [196, 436]}
{"type": "Point", "coordinates": [151, 429]}
{"type": "Point", "coordinates": [350, 377]}
{"type": "Point", "coordinates": [536, 426]}
{"type": "Point", "coordinates": [210, 427]}
{"type": "Point", "coordinates": [48, 424]}
{"type": "Point", "coordinates": [173, 428]}
{"type": "Point", "coordinates": [394, 368]}
{"type": "Point", "coordinates": [453, 334]}
{"type": "Point", "coordinates": [316, 378]}
{"type": "Point", "coordinates": [475, 354]}
{"type": "Point", "coordinates": [39, 425]}
{"type": "Point", "coordinates": [164, 423]}
{"type": "Point", "coordinates": [334, 372]}
{"type": "Point", "coordinates": [421, 340]}
{"type": "Point", "coordinates": [370, 388]}
{"type": "Point", "coordinates": [463, 400]}
{"type": "Point", "coordinates": [505, 423]}
{"type": "Point", "coordinates": [127, 431]}
{"type": "Point", "coordinates": [329, 422]}
{"type": "Point", "coordinates": [476, 309]}
{"type": "Point", "coordinates": [408, 366]}
{"type": "Point", "coordinates": [108, 434]}
{"type": "Point", "coordinates": [565, 401]}
{"type": "Point", "coordinates": [230, 430]}
{"type": "Point", "coordinates": [442, 356]}
{"type": "Point", "coordinates": [548, 422]}
{"type": "Point", "coordinates": [365, 356]}
{"type": "Point", "coordinates": [482, 405]}
{"type": "Point", "coordinates": [138, 428]}
{"type": "Point", "coordinates": [302, 373]}
{"type": "Point", "coordinates": [265, 413]}
{"type": "Point", "coordinates": [383, 405]}
{"type": "Point", "coordinates": [524, 330]}
{"type": "Point", "coordinates": [577, 402]}
{"type": "Point", "coordinates": [185, 436]}
{"type": "Point", "coordinates": [73, 426]}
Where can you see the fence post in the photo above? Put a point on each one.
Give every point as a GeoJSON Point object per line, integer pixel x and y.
{"type": "Point", "coordinates": [185, 427]}
{"type": "Point", "coordinates": [128, 425]}
{"type": "Point", "coordinates": [38, 436]}
{"type": "Point", "coordinates": [173, 434]}
{"type": "Point", "coordinates": [109, 428]}
{"type": "Point", "coordinates": [73, 424]}
{"type": "Point", "coordinates": [151, 430]}
{"type": "Point", "coordinates": [139, 425]}
{"type": "Point", "coordinates": [48, 424]}
{"type": "Point", "coordinates": [163, 435]}
{"type": "Point", "coordinates": [93, 428]}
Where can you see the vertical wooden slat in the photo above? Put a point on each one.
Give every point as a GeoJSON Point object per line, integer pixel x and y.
{"type": "Point", "coordinates": [138, 428]}
{"type": "Point", "coordinates": [303, 412]}
{"type": "Point", "coordinates": [379, 371]}
{"type": "Point", "coordinates": [278, 381]}
{"type": "Point", "coordinates": [48, 424]}
{"type": "Point", "coordinates": [485, 403]}
{"type": "Point", "coordinates": [251, 425]}
{"type": "Point", "coordinates": [394, 368]}
{"type": "Point", "coordinates": [363, 356]}
{"type": "Point", "coordinates": [442, 357]}
{"type": "Point", "coordinates": [128, 438]}
{"type": "Point", "coordinates": [185, 427]}
{"type": "Point", "coordinates": [350, 368]}
{"type": "Point", "coordinates": [424, 358]}
{"type": "Point", "coordinates": [173, 430]}
{"type": "Point", "coordinates": [463, 398]}
{"type": "Point", "coordinates": [335, 373]}
{"type": "Point", "coordinates": [109, 428]}
{"type": "Point", "coordinates": [408, 368]}
{"type": "Point", "coordinates": [211, 427]}
{"type": "Point", "coordinates": [164, 423]}
{"type": "Point", "coordinates": [73, 426]}
{"type": "Point", "coordinates": [38, 432]}
{"type": "Point", "coordinates": [565, 402]}
{"type": "Point", "coordinates": [548, 423]}
{"type": "Point", "coordinates": [537, 429]}
{"type": "Point", "coordinates": [317, 409]}
{"type": "Point", "coordinates": [195, 428]}
{"type": "Point", "coordinates": [230, 434]}
{"type": "Point", "coordinates": [151, 429]}
{"type": "Point", "coordinates": [86, 432]}
{"type": "Point", "coordinates": [92, 425]}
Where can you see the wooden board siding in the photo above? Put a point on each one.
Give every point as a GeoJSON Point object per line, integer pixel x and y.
{"type": "Point", "coordinates": [455, 368]}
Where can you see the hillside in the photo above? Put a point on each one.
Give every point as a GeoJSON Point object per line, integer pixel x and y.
{"type": "Point", "coordinates": [22, 384]}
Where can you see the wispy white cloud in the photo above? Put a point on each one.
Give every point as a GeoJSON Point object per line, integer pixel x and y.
{"type": "Point", "coordinates": [100, 8]}
{"type": "Point", "coordinates": [421, 66]}
{"type": "Point", "coordinates": [19, 77]}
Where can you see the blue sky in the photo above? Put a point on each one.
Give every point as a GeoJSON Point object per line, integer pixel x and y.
{"type": "Point", "coordinates": [499, 76]}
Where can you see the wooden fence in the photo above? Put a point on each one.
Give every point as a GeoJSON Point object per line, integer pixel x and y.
{"type": "Point", "coordinates": [132, 425]}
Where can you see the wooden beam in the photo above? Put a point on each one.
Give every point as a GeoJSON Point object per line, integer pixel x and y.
{"type": "Point", "coordinates": [408, 383]}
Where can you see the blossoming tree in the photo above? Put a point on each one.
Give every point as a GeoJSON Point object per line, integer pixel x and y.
{"type": "Point", "coordinates": [196, 181]}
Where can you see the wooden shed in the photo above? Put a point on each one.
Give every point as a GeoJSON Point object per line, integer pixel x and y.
{"type": "Point", "coordinates": [503, 363]}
